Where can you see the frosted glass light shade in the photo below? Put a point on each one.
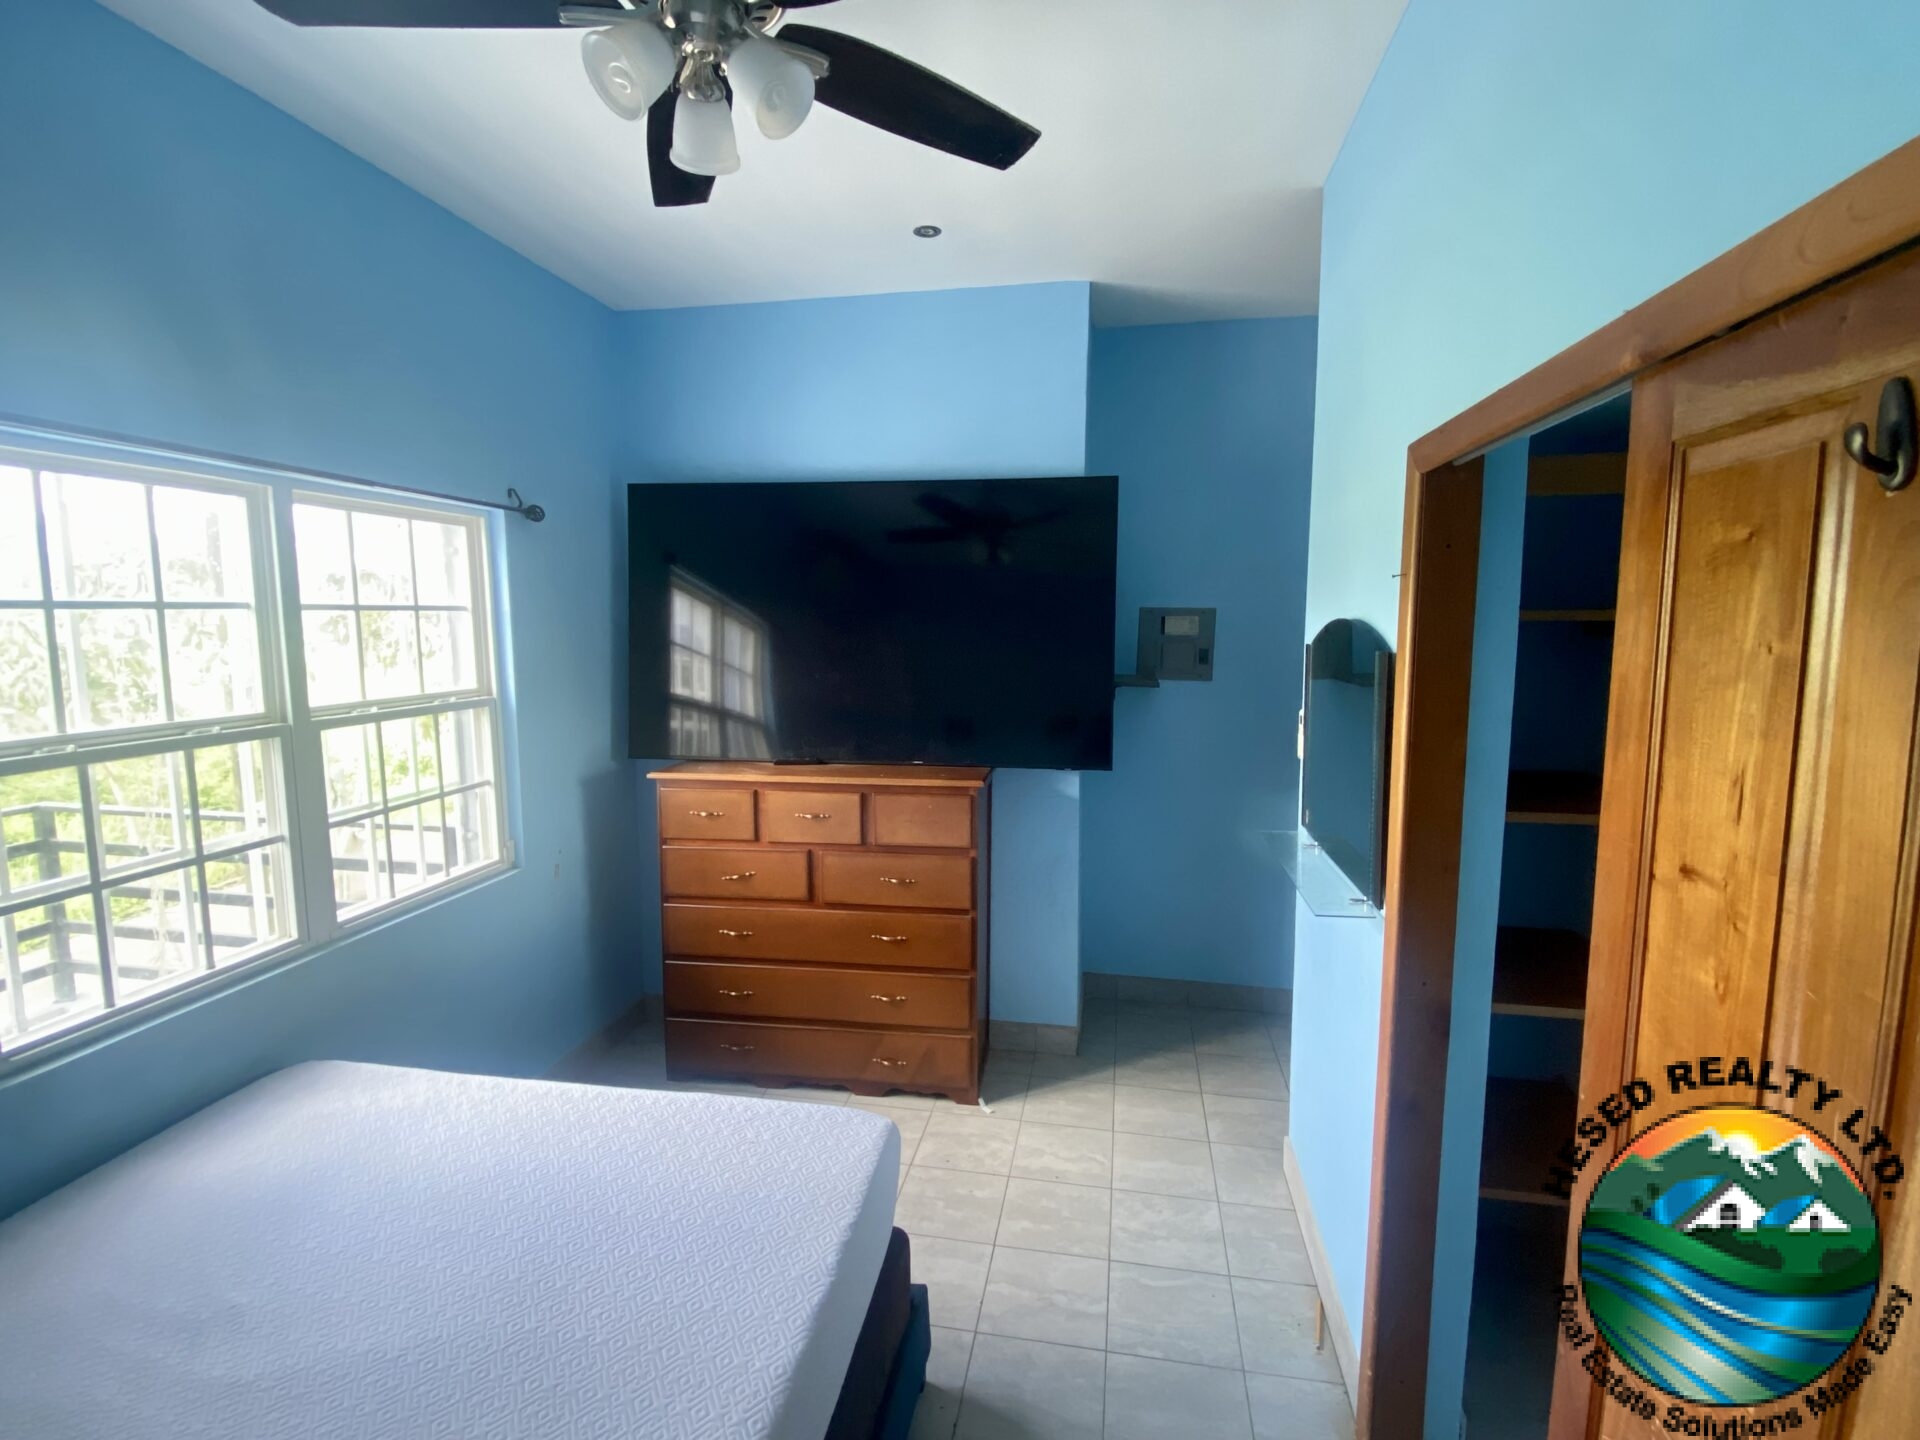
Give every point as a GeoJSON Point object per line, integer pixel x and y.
{"type": "Point", "coordinates": [777, 86]}
{"type": "Point", "coordinates": [630, 65]}
{"type": "Point", "coordinates": [703, 141]}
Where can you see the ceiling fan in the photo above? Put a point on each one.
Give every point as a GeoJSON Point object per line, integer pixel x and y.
{"type": "Point", "coordinates": [987, 530]}
{"type": "Point", "coordinates": [682, 63]}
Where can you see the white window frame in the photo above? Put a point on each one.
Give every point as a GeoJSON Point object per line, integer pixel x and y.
{"type": "Point", "coordinates": [285, 719]}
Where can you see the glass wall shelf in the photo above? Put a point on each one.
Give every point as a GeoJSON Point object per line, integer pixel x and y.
{"type": "Point", "coordinates": [1321, 883]}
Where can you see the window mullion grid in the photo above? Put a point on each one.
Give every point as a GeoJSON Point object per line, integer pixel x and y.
{"type": "Point", "coordinates": [159, 610]}
{"type": "Point", "coordinates": [413, 599]}
{"type": "Point", "coordinates": [287, 734]}
{"type": "Point", "coordinates": [165, 741]}
{"type": "Point", "coordinates": [304, 777]}
{"type": "Point", "coordinates": [198, 867]}
{"type": "Point", "coordinates": [55, 673]}
{"type": "Point", "coordinates": [353, 590]}
{"type": "Point", "coordinates": [384, 820]}
{"type": "Point", "coordinates": [480, 617]}
{"type": "Point", "coordinates": [16, 983]}
{"type": "Point", "coordinates": [97, 870]}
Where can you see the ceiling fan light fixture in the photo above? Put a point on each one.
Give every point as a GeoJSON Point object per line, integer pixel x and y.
{"type": "Point", "coordinates": [703, 142]}
{"type": "Point", "coordinates": [777, 86]}
{"type": "Point", "coordinates": [630, 64]}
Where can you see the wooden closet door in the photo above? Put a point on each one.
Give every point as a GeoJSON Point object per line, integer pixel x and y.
{"type": "Point", "coordinates": [1757, 865]}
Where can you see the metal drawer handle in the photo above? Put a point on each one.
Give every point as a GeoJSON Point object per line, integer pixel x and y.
{"type": "Point", "coordinates": [889, 939]}
{"type": "Point", "coordinates": [738, 1049]}
{"type": "Point", "coordinates": [889, 999]}
{"type": "Point", "coordinates": [736, 934]}
{"type": "Point", "coordinates": [743, 875]}
{"type": "Point", "coordinates": [736, 994]}
{"type": "Point", "coordinates": [706, 814]}
{"type": "Point", "coordinates": [809, 815]}
{"type": "Point", "coordinates": [897, 880]}
{"type": "Point", "coordinates": [890, 1064]}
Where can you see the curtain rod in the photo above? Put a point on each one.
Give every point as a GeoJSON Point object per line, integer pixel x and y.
{"type": "Point", "coordinates": [513, 504]}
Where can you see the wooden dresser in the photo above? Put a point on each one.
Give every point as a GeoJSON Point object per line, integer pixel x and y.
{"type": "Point", "coordinates": [826, 924]}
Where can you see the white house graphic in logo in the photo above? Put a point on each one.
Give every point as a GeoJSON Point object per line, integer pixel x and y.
{"type": "Point", "coordinates": [1730, 1207]}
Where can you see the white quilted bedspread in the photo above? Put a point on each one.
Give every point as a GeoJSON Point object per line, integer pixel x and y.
{"type": "Point", "coordinates": [354, 1252]}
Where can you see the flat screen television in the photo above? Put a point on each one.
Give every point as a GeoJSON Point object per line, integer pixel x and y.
{"type": "Point", "coordinates": [952, 622]}
{"type": "Point", "coordinates": [1344, 764]}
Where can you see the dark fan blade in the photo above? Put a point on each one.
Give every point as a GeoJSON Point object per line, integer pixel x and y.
{"type": "Point", "coordinates": [1033, 520]}
{"type": "Point", "coordinates": [925, 535]}
{"type": "Point", "coordinates": [671, 185]}
{"type": "Point", "coordinates": [427, 14]}
{"type": "Point", "coordinates": [899, 96]}
{"type": "Point", "coordinates": [951, 511]}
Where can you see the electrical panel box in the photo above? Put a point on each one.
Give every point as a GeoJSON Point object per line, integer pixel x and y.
{"type": "Point", "coordinates": [1176, 644]}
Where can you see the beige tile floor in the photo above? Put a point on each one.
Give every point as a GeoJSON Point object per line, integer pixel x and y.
{"type": "Point", "coordinates": [1109, 1246]}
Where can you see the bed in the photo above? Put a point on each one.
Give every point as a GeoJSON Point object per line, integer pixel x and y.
{"type": "Point", "coordinates": [359, 1252]}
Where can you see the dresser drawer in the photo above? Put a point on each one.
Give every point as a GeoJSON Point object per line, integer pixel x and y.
{"type": "Point", "coordinates": [795, 992]}
{"type": "Point", "coordinates": [706, 872]}
{"type": "Point", "coordinates": [920, 882]}
{"type": "Point", "coordinates": [892, 939]}
{"type": "Point", "coordinates": [942, 820]}
{"type": "Point", "coordinates": [706, 814]}
{"type": "Point", "coordinates": [810, 817]}
{"type": "Point", "coordinates": [868, 1058]}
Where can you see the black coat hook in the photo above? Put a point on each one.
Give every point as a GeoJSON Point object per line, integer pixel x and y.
{"type": "Point", "coordinates": [1898, 457]}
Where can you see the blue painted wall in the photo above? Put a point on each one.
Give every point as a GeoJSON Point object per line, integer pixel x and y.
{"type": "Point", "coordinates": [1518, 175]}
{"type": "Point", "coordinates": [949, 383]}
{"type": "Point", "coordinates": [180, 260]}
{"type": "Point", "coordinates": [1210, 429]}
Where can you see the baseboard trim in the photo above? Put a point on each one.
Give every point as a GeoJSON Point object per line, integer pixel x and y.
{"type": "Point", "coordinates": [1203, 994]}
{"type": "Point", "coordinates": [634, 1017]}
{"type": "Point", "coordinates": [1337, 1327]}
{"type": "Point", "coordinates": [1027, 1039]}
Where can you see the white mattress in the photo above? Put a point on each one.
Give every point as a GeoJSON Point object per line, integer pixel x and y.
{"type": "Point", "coordinates": [353, 1252]}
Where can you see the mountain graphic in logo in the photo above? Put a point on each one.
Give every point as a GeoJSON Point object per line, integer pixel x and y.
{"type": "Point", "coordinates": [1730, 1256]}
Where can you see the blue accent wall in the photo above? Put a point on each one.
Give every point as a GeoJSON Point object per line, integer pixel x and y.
{"type": "Point", "coordinates": [1210, 429]}
{"type": "Point", "coordinates": [1519, 175]}
{"type": "Point", "coordinates": [180, 260]}
{"type": "Point", "coordinates": [958, 383]}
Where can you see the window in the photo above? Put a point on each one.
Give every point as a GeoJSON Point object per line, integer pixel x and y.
{"type": "Point", "coordinates": [719, 681]}
{"type": "Point", "coordinates": [389, 613]}
{"type": "Point", "coordinates": [172, 802]}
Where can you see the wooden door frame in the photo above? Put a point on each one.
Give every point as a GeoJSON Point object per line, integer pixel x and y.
{"type": "Point", "coordinates": [1860, 221]}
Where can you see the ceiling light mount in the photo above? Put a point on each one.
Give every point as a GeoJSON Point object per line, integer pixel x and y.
{"type": "Point", "coordinates": [928, 232]}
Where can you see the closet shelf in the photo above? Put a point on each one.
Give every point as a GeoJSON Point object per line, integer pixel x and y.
{"type": "Point", "coordinates": [1527, 1121]}
{"type": "Point", "coordinates": [1576, 475]}
{"type": "Point", "coordinates": [1553, 797]}
{"type": "Point", "coordinates": [1540, 972]}
{"type": "Point", "coordinates": [1573, 617]}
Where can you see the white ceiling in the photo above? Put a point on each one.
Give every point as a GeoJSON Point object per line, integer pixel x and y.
{"type": "Point", "coordinates": [1183, 147]}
